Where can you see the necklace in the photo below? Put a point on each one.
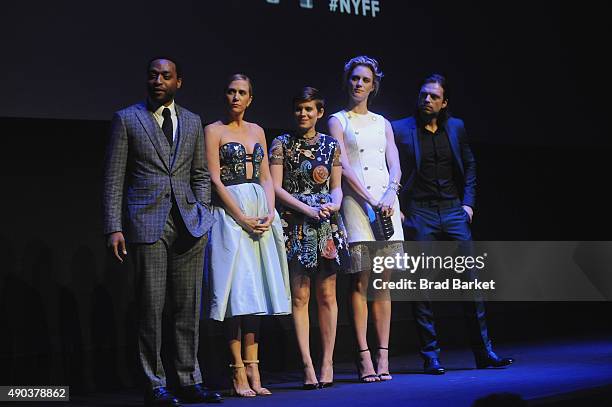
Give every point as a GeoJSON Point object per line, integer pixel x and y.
{"type": "Point", "coordinates": [353, 115]}
{"type": "Point", "coordinates": [310, 138]}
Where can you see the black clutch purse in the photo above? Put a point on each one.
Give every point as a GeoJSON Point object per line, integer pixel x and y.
{"type": "Point", "coordinates": [382, 226]}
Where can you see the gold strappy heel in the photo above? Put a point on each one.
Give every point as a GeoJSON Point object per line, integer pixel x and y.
{"type": "Point", "coordinates": [259, 390]}
{"type": "Point", "coordinates": [243, 393]}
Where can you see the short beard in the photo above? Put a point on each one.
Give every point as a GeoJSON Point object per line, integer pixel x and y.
{"type": "Point", "coordinates": [427, 117]}
{"type": "Point", "coordinates": [159, 102]}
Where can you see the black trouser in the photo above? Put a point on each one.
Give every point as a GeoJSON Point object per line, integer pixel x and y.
{"type": "Point", "coordinates": [444, 220]}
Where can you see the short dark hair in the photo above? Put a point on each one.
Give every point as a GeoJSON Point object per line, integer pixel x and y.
{"type": "Point", "coordinates": [309, 94]}
{"type": "Point", "coordinates": [440, 80]}
{"type": "Point", "coordinates": [179, 70]}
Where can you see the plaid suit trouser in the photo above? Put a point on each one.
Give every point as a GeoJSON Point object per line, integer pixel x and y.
{"type": "Point", "coordinates": [174, 266]}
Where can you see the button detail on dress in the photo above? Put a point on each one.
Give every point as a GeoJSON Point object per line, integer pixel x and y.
{"type": "Point", "coordinates": [362, 150]}
{"type": "Point", "coordinates": [365, 168]}
{"type": "Point", "coordinates": [368, 187]}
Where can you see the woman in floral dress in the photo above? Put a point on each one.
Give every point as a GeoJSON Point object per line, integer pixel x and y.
{"type": "Point", "coordinates": [306, 172]}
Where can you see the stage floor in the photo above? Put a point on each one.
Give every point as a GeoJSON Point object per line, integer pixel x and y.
{"type": "Point", "coordinates": [544, 373]}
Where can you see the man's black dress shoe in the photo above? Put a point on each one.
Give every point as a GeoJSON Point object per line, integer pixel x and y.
{"type": "Point", "coordinates": [161, 397]}
{"type": "Point", "coordinates": [198, 394]}
{"type": "Point", "coordinates": [490, 359]}
{"type": "Point", "coordinates": [433, 366]}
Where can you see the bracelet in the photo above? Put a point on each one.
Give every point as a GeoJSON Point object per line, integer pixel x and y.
{"type": "Point", "coordinates": [394, 185]}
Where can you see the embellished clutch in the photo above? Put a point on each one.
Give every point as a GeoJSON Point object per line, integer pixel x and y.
{"type": "Point", "coordinates": [382, 226]}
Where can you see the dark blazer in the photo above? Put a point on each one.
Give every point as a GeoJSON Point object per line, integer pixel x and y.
{"type": "Point", "coordinates": [406, 138]}
{"type": "Point", "coordinates": [142, 173]}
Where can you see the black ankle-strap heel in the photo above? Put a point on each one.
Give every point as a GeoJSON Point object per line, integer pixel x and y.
{"type": "Point", "coordinates": [384, 376]}
{"type": "Point", "coordinates": [364, 379]}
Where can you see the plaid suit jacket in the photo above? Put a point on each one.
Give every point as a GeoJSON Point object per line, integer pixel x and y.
{"type": "Point", "coordinates": [143, 173]}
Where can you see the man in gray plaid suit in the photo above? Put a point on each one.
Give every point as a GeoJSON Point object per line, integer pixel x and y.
{"type": "Point", "coordinates": [157, 193]}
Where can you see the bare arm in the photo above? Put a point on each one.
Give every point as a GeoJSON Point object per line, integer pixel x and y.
{"type": "Point", "coordinates": [392, 155]}
{"type": "Point", "coordinates": [335, 185]}
{"type": "Point", "coordinates": [336, 131]}
{"type": "Point", "coordinates": [395, 171]}
{"type": "Point", "coordinates": [265, 180]}
{"type": "Point", "coordinates": [213, 140]}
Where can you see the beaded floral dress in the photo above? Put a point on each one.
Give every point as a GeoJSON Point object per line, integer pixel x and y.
{"type": "Point", "coordinates": [311, 245]}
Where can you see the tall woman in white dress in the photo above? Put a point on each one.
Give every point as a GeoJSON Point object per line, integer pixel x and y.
{"type": "Point", "coordinates": [248, 265]}
{"type": "Point", "coordinates": [371, 171]}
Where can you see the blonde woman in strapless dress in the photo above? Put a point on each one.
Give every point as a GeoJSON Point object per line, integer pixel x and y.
{"type": "Point", "coordinates": [248, 275]}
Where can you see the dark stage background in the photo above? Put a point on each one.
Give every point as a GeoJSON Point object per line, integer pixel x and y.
{"type": "Point", "coordinates": [526, 78]}
{"type": "Point", "coordinates": [522, 71]}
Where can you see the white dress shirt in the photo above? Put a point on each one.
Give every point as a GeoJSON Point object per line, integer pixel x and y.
{"type": "Point", "coordinates": [160, 119]}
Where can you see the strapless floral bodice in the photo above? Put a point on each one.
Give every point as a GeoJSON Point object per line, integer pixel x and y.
{"type": "Point", "coordinates": [233, 160]}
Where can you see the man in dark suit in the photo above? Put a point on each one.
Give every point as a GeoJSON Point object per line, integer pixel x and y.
{"type": "Point", "coordinates": [157, 192]}
{"type": "Point", "coordinates": [438, 200]}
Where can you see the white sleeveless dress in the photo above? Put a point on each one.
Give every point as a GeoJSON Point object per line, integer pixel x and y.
{"type": "Point", "coordinates": [365, 147]}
